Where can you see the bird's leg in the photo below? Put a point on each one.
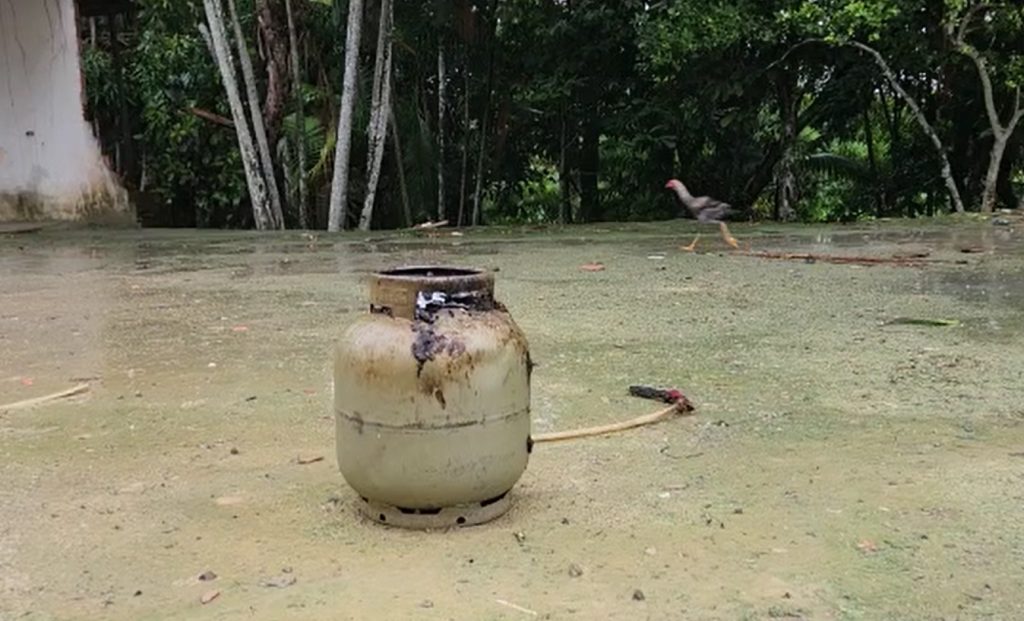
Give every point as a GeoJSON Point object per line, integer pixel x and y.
{"type": "Point", "coordinates": [692, 245]}
{"type": "Point", "coordinates": [727, 236]}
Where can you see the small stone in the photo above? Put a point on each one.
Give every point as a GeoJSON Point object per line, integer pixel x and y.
{"type": "Point", "coordinates": [137, 593]}
{"type": "Point", "coordinates": [426, 604]}
{"type": "Point", "coordinates": [520, 537]}
{"type": "Point", "coordinates": [278, 582]}
{"type": "Point", "coordinates": [209, 596]}
{"type": "Point", "coordinates": [638, 595]}
{"type": "Point", "coordinates": [234, 450]}
{"type": "Point", "coordinates": [565, 521]}
{"type": "Point", "coordinates": [207, 576]}
{"type": "Point", "coordinates": [575, 570]}
{"type": "Point", "coordinates": [738, 511]}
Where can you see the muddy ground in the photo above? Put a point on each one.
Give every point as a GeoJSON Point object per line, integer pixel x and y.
{"type": "Point", "coordinates": [838, 467]}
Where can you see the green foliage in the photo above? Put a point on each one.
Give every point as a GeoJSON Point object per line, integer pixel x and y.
{"type": "Point", "coordinates": [727, 95]}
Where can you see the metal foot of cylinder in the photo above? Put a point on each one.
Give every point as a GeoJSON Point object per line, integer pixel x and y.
{"type": "Point", "coordinates": [446, 517]}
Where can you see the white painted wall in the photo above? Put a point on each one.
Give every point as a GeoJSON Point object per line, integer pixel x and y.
{"type": "Point", "coordinates": [50, 163]}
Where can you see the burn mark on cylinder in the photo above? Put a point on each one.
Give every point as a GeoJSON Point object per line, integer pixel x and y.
{"type": "Point", "coordinates": [427, 344]}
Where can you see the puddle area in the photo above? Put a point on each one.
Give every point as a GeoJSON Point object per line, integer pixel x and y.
{"type": "Point", "coordinates": [840, 465]}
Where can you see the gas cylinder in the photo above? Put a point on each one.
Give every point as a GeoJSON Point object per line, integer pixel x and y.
{"type": "Point", "coordinates": [432, 399]}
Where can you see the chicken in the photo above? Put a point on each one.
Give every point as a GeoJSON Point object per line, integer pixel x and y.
{"type": "Point", "coordinates": [704, 209]}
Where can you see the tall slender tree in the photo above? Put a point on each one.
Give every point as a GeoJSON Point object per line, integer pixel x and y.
{"type": "Point", "coordinates": [1001, 132]}
{"type": "Point", "coordinates": [380, 104]}
{"type": "Point", "coordinates": [249, 77]}
{"type": "Point", "coordinates": [339, 184]}
{"type": "Point", "coordinates": [218, 41]}
{"type": "Point", "coordinates": [441, 79]}
{"type": "Point", "coordinates": [300, 117]}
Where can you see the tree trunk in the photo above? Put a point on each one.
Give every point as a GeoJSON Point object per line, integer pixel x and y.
{"type": "Point", "coordinates": [127, 164]}
{"type": "Point", "coordinates": [300, 117]}
{"type": "Point", "coordinates": [869, 139]}
{"type": "Point", "coordinates": [478, 192]}
{"type": "Point", "coordinates": [400, 166]}
{"type": "Point", "coordinates": [785, 181]}
{"type": "Point", "coordinates": [266, 161]}
{"type": "Point", "coordinates": [1004, 186]}
{"type": "Point", "coordinates": [465, 141]}
{"type": "Point", "coordinates": [565, 205]}
{"type": "Point", "coordinates": [440, 128]}
{"type": "Point", "coordinates": [989, 194]}
{"type": "Point", "coordinates": [1000, 134]}
{"type": "Point", "coordinates": [276, 46]}
{"type": "Point", "coordinates": [339, 184]}
{"type": "Point", "coordinates": [590, 162]}
{"type": "Point", "coordinates": [380, 104]}
{"type": "Point", "coordinates": [217, 37]}
{"type": "Point", "coordinates": [947, 170]}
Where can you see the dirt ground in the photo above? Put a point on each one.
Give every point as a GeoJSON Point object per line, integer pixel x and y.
{"type": "Point", "coordinates": [839, 465]}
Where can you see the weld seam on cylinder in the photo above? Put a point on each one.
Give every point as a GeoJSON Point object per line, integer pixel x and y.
{"type": "Point", "coordinates": [421, 427]}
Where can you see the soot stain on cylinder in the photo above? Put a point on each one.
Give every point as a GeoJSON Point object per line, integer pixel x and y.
{"type": "Point", "coordinates": [427, 344]}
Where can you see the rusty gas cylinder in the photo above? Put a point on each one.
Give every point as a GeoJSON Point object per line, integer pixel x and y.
{"type": "Point", "coordinates": [432, 399]}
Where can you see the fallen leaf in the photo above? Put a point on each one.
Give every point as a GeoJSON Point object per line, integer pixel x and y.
{"type": "Point", "coordinates": [27, 381]}
{"type": "Point", "coordinates": [239, 328]}
{"type": "Point", "coordinates": [302, 461]}
{"type": "Point", "coordinates": [225, 501]}
{"type": "Point", "coordinates": [592, 267]}
{"type": "Point", "coordinates": [209, 596]}
{"type": "Point", "coordinates": [867, 546]}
